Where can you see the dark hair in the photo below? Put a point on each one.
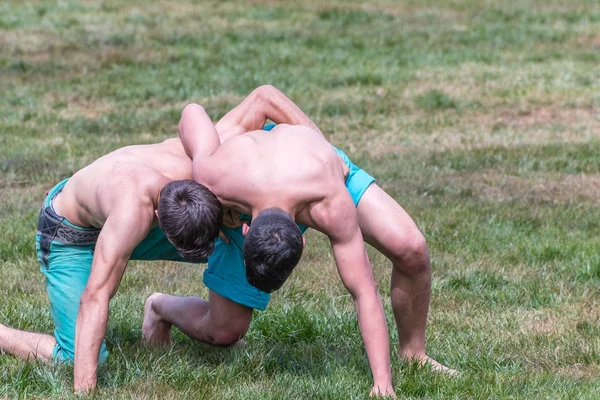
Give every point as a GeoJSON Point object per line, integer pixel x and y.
{"type": "Point", "coordinates": [190, 215]}
{"type": "Point", "coordinates": [272, 249]}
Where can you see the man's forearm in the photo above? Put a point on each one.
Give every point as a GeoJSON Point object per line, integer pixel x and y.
{"type": "Point", "coordinates": [265, 102]}
{"type": "Point", "coordinates": [91, 328]}
{"type": "Point", "coordinates": [280, 109]}
{"type": "Point", "coordinates": [373, 328]}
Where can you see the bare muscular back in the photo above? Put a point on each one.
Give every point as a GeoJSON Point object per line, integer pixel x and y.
{"type": "Point", "coordinates": [291, 166]}
{"type": "Point", "coordinates": [144, 169]}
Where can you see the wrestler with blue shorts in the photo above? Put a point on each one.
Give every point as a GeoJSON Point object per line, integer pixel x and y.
{"type": "Point", "coordinates": [137, 203]}
{"type": "Point", "coordinates": [93, 223]}
{"type": "Point", "coordinates": [290, 176]}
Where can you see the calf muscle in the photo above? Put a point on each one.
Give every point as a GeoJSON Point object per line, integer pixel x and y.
{"type": "Point", "coordinates": [26, 344]}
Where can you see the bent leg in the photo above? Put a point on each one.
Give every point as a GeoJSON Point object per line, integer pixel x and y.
{"type": "Point", "coordinates": [66, 275]}
{"type": "Point", "coordinates": [218, 321]}
{"type": "Point", "coordinates": [387, 227]}
{"type": "Point", "coordinates": [66, 269]}
{"type": "Point", "coordinates": [26, 344]}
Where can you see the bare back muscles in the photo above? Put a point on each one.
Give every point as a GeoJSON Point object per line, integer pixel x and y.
{"type": "Point", "coordinates": [86, 199]}
{"type": "Point", "coordinates": [291, 166]}
{"type": "Point", "coordinates": [295, 169]}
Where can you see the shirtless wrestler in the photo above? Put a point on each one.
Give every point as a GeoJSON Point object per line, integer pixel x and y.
{"type": "Point", "coordinates": [287, 176]}
{"type": "Point", "coordinates": [137, 203]}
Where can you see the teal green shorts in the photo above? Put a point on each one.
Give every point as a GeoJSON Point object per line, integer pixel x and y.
{"type": "Point", "coordinates": [66, 264]}
{"type": "Point", "coordinates": [226, 273]}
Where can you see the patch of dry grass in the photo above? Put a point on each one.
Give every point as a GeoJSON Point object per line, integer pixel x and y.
{"type": "Point", "coordinates": [546, 188]}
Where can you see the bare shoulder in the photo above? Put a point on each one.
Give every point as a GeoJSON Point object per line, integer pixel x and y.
{"type": "Point", "coordinates": [334, 213]}
{"type": "Point", "coordinates": [239, 140]}
{"type": "Point", "coordinates": [135, 187]}
{"type": "Point", "coordinates": [173, 145]}
{"type": "Point", "coordinates": [294, 128]}
{"type": "Point", "coordinates": [176, 142]}
{"type": "Point", "coordinates": [230, 151]}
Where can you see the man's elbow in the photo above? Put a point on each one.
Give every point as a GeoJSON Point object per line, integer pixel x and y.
{"type": "Point", "coordinates": [192, 108]}
{"type": "Point", "coordinates": [266, 92]}
{"type": "Point", "coordinates": [363, 292]}
{"type": "Point", "coordinates": [264, 89]}
{"type": "Point", "coordinates": [187, 113]}
{"type": "Point", "coordinates": [90, 298]}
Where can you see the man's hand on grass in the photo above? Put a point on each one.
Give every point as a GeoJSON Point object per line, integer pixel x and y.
{"type": "Point", "coordinates": [383, 391]}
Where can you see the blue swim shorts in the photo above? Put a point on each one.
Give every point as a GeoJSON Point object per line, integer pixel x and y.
{"type": "Point", "coordinates": [65, 252]}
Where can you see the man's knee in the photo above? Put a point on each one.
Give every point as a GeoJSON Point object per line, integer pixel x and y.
{"type": "Point", "coordinates": [409, 253]}
{"type": "Point", "coordinates": [228, 336]}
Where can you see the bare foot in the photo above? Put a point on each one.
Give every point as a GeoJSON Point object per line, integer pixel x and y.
{"type": "Point", "coordinates": [155, 332]}
{"type": "Point", "coordinates": [436, 366]}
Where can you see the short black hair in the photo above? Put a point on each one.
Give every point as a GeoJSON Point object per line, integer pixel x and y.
{"type": "Point", "coordinates": [190, 215]}
{"type": "Point", "coordinates": [272, 249]}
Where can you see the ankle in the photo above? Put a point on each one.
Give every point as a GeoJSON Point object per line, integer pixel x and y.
{"type": "Point", "coordinates": [411, 354]}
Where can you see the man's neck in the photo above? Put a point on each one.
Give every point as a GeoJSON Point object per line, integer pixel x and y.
{"type": "Point", "coordinates": [287, 209]}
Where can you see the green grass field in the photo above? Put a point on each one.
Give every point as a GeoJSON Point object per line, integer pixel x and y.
{"type": "Point", "coordinates": [481, 118]}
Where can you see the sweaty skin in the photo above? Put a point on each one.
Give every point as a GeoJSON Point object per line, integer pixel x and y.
{"type": "Point", "coordinates": [118, 194]}
{"type": "Point", "coordinates": [295, 169]}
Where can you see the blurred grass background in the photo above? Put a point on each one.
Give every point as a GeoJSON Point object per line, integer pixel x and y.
{"type": "Point", "coordinates": [481, 118]}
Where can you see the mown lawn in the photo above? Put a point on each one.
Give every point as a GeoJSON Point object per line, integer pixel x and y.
{"type": "Point", "coordinates": [481, 118]}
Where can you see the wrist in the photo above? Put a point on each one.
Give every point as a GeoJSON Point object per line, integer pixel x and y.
{"type": "Point", "coordinates": [383, 381]}
{"type": "Point", "coordinates": [85, 386]}
{"type": "Point", "coordinates": [84, 373]}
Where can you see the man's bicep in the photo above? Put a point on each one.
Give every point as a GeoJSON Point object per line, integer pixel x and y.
{"type": "Point", "coordinates": [265, 102]}
{"type": "Point", "coordinates": [249, 115]}
{"type": "Point", "coordinates": [348, 246]}
{"type": "Point", "coordinates": [211, 169]}
{"type": "Point", "coordinates": [197, 132]}
{"type": "Point", "coordinates": [352, 261]}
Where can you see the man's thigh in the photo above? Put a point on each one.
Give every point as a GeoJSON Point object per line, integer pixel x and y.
{"type": "Point", "coordinates": [385, 224]}
{"type": "Point", "coordinates": [227, 315]}
{"type": "Point", "coordinates": [67, 273]}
